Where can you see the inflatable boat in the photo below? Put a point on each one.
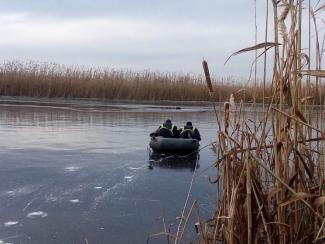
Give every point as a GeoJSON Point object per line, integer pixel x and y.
{"type": "Point", "coordinates": [173, 145]}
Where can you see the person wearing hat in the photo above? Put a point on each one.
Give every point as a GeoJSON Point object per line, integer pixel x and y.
{"type": "Point", "coordinates": [188, 131]}
{"type": "Point", "coordinates": [167, 129]}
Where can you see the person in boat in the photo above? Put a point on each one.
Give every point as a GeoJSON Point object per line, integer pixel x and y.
{"type": "Point", "coordinates": [167, 130]}
{"type": "Point", "coordinates": [188, 131]}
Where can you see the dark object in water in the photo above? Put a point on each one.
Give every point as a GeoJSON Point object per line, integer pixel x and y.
{"type": "Point", "coordinates": [173, 145]}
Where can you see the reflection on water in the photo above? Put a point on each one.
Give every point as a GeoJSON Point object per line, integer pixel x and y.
{"type": "Point", "coordinates": [190, 161]}
{"type": "Point", "coordinates": [72, 172]}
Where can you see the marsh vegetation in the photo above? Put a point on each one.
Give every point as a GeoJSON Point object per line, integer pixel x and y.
{"type": "Point", "coordinates": [53, 80]}
{"type": "Point", "coordinates": [271, 166]}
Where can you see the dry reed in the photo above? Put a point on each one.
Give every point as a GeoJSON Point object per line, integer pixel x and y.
{"type": "Point", "coordinates": [272, 169]}
{"type": "Point", "coordinates": [53, 80]}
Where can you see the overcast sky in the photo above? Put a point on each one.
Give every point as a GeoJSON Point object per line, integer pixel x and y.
{"type": "Point", "coordinates": [164, 35]}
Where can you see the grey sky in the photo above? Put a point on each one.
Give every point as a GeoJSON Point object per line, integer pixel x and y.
{"type": "Point", "coordinates": [165, 35]}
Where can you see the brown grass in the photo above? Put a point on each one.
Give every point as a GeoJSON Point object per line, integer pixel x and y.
{"type": "Point", "coordinates": [271, 169]}
{"type": "Point", "coordinates": [52, 80]}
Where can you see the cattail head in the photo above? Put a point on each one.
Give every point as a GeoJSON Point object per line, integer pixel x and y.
{"type": "Point", "coordinates": [207, 76]}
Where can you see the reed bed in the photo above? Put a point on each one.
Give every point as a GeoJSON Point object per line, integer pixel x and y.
{"type": "Point", "coordinates": [53, 80]}
{"type": "Point", "coordinates": [271, 168]}
{"type": "Point", "coordinates": [35, 79]}
{"type": "Point", "coordinates": [271, 164]}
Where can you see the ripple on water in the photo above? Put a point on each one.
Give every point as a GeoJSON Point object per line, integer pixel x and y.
{"type": "Point", "coordinates": [38, 214]}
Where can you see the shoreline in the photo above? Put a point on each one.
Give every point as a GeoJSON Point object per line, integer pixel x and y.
{"type": "Point", "coordinates": [88, 102]}
{"type": "Point", "coordinates": [16, 100]}
{"type": "Point", "coordinates": [104, 106]}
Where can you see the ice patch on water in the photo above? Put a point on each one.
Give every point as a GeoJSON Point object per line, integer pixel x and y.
{"type": "Point", "coordinates": [72, 168]}
{"type": "Point", "coordinates": [51, 198]}
{"type": "Point", "coordinates": [98, 187]}
{"type": "Point", "coordinates": [24, 190]}
{"type": "Point", "coordinates": [74, 201]}
{"type": "Point", "coordinates": [128, 178]}
{"type": "Point", "coordinates": [37, 214]}
{"type": "Point", "coordinates": [10, 223]}
{"type": "Point", "coordinates": [106, 194]}
{"type": "Point", "coordinates": [133, 168]}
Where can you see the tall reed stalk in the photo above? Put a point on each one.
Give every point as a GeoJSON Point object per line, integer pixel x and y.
{"type": "Point", "coordinates": [273, 176]}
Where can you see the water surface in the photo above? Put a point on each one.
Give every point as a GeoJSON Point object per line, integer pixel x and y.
{"type": "Point", "coordinates": [75, 170]}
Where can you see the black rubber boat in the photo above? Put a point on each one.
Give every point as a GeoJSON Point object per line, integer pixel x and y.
{"type": "Point", "coordinates": [173, 145]}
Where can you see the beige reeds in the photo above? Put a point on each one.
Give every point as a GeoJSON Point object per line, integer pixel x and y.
{"type": "Point", "coordinates": [273, 177]}
{"type": "Point", "coordinates": [54, 80]}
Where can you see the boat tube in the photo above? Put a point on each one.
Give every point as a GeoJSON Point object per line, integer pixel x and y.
{"type": "Point", "coordinates": [173, 145]}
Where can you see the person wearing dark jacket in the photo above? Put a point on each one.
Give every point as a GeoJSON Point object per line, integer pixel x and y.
{"type": "Point", "coordinates": [188, 131]}
{"type": "Point", "coordinates": [167, 130]}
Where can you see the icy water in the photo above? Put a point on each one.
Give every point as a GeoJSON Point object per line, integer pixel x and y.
{"type": "Point", "coordinates": [72, 171]}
